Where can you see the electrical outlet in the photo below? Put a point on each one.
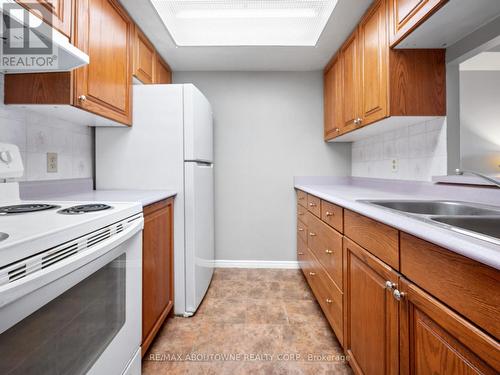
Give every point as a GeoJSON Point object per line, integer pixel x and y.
{"type": "Point", "coordinates": [51, 162]}
{"type": "Point", "coordinates": [394, 165]}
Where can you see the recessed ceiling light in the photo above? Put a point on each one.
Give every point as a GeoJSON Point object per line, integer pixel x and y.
{"type": "Point", "coordinates": [245, 22]}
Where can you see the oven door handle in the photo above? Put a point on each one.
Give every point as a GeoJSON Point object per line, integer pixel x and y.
{"type": "Point", "coordinates": [26, 285]}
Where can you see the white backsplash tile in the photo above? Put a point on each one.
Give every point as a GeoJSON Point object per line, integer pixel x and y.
{"type": "Point", "coordinates": [419, 151]}
{"type": "Point", "coordinates": [35, 135]}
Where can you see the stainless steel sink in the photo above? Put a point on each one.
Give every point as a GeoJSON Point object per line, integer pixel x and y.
{"type": "Point", "coordinates": [444, 208]}
{"type": "Point", "coordinates": [489, 226]}
{"type": "Point", "coordinates": [3, 236]}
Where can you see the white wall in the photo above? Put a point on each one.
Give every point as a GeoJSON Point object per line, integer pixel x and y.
{"type": "Point", "coordinates": [268, 128]}
{"type": "Point", "coordinates": [419, 150]}
{"type": "Point", "coordinates": [36, 135]}
{"type": "Point", "coordinates": [480, 121]}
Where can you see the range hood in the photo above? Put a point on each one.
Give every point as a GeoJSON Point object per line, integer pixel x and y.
{"type": "Point", "coordinates": [46, 50]}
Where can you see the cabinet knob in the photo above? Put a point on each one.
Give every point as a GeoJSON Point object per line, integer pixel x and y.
{"type": "Point", "coordinates": [398, 295]}
{"type": "Point", "coordinates": [389, 285]}
{"type": "Point", "coordinates": [82, 98]}
{"type": "Point", "coordinates": [328, 300]}
{"type": "Point", "coordinates": [358, 121]}
{"type": "Point", "coordinates": [312, 234]}
{"type": "Point", "coordinates": [312, 204]}
{"type": "Point", "coordinates": [300, 253]}
{"type": "Point", "coordinates": [301, 229]}
{"type": "Point", "coordinates": [328, 213]}
{"type": "Point", "coordinates": [312, 273]}
{"type": "Point", "coordinates": [328, 251]}
{"type": "Point", "coordinates": [337, 130]}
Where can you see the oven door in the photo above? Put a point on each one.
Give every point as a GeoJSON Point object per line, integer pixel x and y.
{"type": "Point", "coordinates": [76, 318]}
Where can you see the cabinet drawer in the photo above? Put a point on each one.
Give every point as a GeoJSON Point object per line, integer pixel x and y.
{"type": "Point", "coordinates": [379, 239]}
{"type": "Point", "coordinates": [302, 231]}
{"type": "Point", "coordinates": [470, 288]}
{"type": "Point", "coordinates": [328, 295]}
{"type": "Point", "coordinates": [301, 213]}
{"type": "Point", "coordinates": [333, 215]}
{"type": "Point", "coordinates": [314, 205]}
{"type": "Point", "coordinates": [326, 245]}
{"type": "Point", "coordinates": [302, 198]}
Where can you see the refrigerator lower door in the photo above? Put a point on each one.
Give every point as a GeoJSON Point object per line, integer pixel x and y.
{"type": "Point", "coordinates": [199, 231]}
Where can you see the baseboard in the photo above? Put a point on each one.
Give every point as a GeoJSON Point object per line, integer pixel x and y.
{"type": "Point", "coordinates": [256, 264]}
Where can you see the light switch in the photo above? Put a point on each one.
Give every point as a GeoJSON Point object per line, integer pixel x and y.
{"type": "Point", "coordinates": [51, 162]}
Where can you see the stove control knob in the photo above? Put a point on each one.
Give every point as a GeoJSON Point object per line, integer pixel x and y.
{"type": "Point", "coordinates": [6, 157]}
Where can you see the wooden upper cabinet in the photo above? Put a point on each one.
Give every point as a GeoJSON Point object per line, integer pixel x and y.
{"type": "Point", "coordinates": [374, 54]}
{"type": "Point", "coordinates": [57, 13]}
{"type": "Point", "coordinates": [407, 15]}
{"type": "Point", "coordinates": [379, 82]}
{"type": "Point", "coordinates": [350, 81]}
{"type": "Point", "coordinates": [371, 337]}
{"type": "Point", "coordinates": [104, 32]}
{"type": "Point", "coordinates": [144, 58]}
{"type": "Point", "coordinates": [436, 340]}
{"type": "Point", "coordinates": [333, 99]}
{"type": "Point", "coordinates": [163, 73]}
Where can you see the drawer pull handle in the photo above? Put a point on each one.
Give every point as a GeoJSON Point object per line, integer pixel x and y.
{"type": "Point", "coordinates": [301, 229]}
{"type": "Point", "coordinates": [312, 273]}
{"type": "Point", "coordinates": [328, 300]}
{"type": "Point", "coordinates": [301, 253]}
{"type": "Point", "coordinates": [312, 234]}
{"type": "Point", "coordinates": [312, 204]}
{"type": "Point", "coordinates": [328, 213]}
{"type": "Point", "coordinates": [389, 285]}
{"type": "Point", "coordinates": [328, 251]}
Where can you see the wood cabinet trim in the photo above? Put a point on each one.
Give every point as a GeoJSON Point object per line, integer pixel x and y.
{"type": "Point", "coordinates": [59, 17]}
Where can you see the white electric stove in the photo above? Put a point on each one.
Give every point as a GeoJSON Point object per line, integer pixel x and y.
{"type": "Point", "coordinates": [70, 282]}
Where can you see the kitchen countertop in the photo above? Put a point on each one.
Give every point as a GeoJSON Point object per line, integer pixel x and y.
{"type": "Point", "coordinates": [347, 191]}
{"type": "Point", "coordinates": [82, 190]}
{"type": "Point", "coordinates": [145, 197]}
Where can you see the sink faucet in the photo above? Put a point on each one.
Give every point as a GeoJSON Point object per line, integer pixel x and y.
{"type": "Point", "coordinates": [461, 172]}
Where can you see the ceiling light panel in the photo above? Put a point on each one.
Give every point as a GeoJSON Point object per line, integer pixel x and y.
{"type": "Point", "coordinates": [245, 22]}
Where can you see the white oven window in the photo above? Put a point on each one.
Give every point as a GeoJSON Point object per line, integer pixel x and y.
{"type": "Point", "coordinates": [67, 335]}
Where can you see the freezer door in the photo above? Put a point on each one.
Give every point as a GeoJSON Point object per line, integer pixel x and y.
{"type": "Point", "coordinates": [199, 230]}
{"type": "Point", "coordinates": [198, 126]}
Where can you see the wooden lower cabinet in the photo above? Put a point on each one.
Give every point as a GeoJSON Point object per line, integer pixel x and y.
{"type": "Point", "coordinates": [436, 340]}
{"type": "Point", "coordinates": [433, 312]}
{"type": "Point", "coordinates": [157, 271]}
{"type": "Point", "coordinates": [371, 313]}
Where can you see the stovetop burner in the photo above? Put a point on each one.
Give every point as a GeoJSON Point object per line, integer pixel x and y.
{"type": "Point", "coordinates": [84, 208]}
{"type": "Point", "coordinates": [26, 208]}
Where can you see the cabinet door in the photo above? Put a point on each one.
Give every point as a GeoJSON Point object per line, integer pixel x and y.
{"type": "Point", "coordinates": [350, 82]}
{"type": "Point", "coordinates": [374, 50]}
{"type": "Point", "coordinates": [104, 87]}
{"type": "Point", "coordinates": [371, 313]}
{"type": "Point", "coordinates": [406, 15]}
{"type": "Point", "coordinates": [436, 340]}
{"type": "Point", "coordinates": [157, 272]}
{"type": "Point", "coordinates": [163, 73]}
{"type": "Point", "coordinates": [333, 99]}
{"type": "Point", "coordinates": [57, 13]}
{"type": "Point", "coordinates": [144, 58]}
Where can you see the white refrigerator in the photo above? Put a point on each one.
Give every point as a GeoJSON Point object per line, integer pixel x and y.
{"type": "Point", "coordinates": [169, 146]}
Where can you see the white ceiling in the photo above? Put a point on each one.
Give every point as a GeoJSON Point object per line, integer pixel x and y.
{"type": "Point", "coordinates": [345, 17]}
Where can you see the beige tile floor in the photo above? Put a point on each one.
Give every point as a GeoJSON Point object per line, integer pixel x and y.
{"type": "Point", "coordinates": [252, 321]}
